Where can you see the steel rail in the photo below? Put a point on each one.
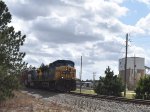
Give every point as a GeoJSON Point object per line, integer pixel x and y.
{"type": "Point", "coordinates": [113, 98]}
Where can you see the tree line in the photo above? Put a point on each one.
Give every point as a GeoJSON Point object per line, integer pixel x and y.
{"type": "Point", "coordinates": [11, 59]}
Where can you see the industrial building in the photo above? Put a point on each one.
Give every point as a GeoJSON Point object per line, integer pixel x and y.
{"type": "Point", "coordinates": [135, 70]}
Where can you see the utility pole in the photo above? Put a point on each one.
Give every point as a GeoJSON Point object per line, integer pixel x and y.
{"type": "Point", "coordinates": [94, 78]}
{"type": "Point", "coordinates": [81, 75]}
{"type": "Point", "coordinates": [125, 73]}
{"type": "Point", "coordinates": [134, 70]}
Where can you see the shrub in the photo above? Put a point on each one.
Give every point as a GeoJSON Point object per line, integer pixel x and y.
{"type": "Point", "coordinates": [109, 85]}
{"type": "Point", "coordinates": [143, 88]}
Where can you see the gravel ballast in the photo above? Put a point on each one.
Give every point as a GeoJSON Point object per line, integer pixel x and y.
{"type": "Point", "coordinates": [26, 101]}
{"type": "Point", "coordinates": [92, 105]}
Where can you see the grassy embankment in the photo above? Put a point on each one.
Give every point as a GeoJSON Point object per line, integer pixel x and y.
{"type": "Point", "coordinates": [129, 94]}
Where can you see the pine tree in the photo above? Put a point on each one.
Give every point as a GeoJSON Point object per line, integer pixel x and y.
{"type": "Point", "coordinates": [109, 85]}
{"type": "Point", "coordinates": [143, 88]}
{"type": "Point", "coordinates": [11, 59]}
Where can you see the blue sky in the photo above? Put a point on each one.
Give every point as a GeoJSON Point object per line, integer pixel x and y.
{"type": "Point", "coordinates": [95, 29]}
{"type": "Point", "coordinates": [137, 10]}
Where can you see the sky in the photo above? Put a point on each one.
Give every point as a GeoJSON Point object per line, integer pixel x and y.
{"type": "Point", "coordinates": [93, 29]}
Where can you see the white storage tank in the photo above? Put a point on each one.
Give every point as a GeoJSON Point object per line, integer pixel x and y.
{"type": "Point", "coordinates": [135, 70]}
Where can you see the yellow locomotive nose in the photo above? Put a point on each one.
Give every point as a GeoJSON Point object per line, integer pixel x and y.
{"type": "Point", "coordinates": [65, 72]}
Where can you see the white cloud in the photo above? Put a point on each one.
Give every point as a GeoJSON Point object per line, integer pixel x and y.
{"type": "Point", "coordinates": [116, 1]}
{"type": "Point", "coordinates": [145, 1]}
{"type": "Point", "coordinates": [67, 29]}
{"type": "Point", "coordinates": [105, 9]}
{"type": "Point", "coordinates": [144, 23]}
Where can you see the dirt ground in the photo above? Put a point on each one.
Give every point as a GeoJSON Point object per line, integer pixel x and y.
{"type": "Point", "coordinates": [26, 103]}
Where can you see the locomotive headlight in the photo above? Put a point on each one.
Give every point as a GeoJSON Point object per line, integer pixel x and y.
{"type": "Point", "coordinates": [62, 77]}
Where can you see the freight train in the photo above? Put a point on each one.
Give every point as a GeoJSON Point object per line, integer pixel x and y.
{"type": "Point", "coordinates": [59, 75]}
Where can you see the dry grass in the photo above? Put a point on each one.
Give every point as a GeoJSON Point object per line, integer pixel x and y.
{"type": "Point", "coordinates": [85, 91]}
{"type": "Point", "coordinates": [129, 94]}
{"type": "Point", "coordinates": [25, 103]}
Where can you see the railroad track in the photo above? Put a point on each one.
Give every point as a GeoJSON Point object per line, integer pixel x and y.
{"type": "Point", "coordinates": [113, 98]}
{"type": "Point", "coordinates": [46, 93]}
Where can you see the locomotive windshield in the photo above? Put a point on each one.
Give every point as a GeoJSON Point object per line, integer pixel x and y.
{"type": "Point", "coordinates": [63, 63]}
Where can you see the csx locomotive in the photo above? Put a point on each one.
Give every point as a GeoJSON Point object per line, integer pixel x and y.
{"type": "Point", "coordinates": [59, 75]}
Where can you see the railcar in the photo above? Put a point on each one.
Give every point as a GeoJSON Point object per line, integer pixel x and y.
{"type": "Point", "coordinates": [59, 75]}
